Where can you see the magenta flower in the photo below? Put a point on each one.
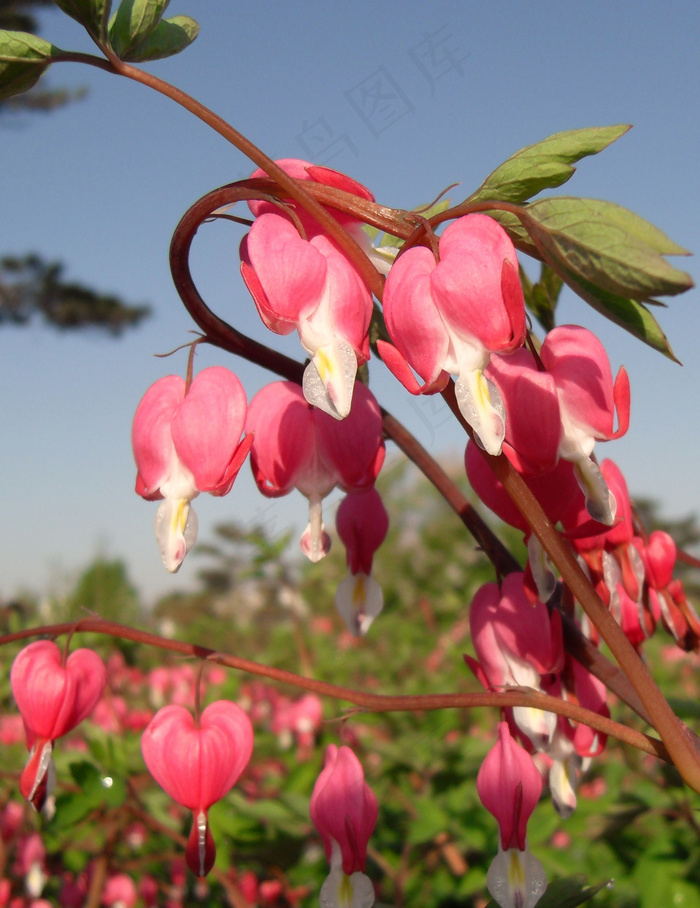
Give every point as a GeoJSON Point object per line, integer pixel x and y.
{"type": "Point", "coordinates": [310, 286]}
{"type": "Point", "coordinates": [315, 173]}
{"type": "Point", "coordinates": [560, 408]}
{"type": "Point", "coordinates": [306, 283]}
{"type": "Point", "coordinates": [53, 698]}
{"type": "Point", "coordinates": [588, 400]}
{"type": "Point", "coordinates": [187, 441]}
{"type": "Point", "coordinates": [344, 810]}
{"type": "Point", "coordinates": [556, 492]}
{"type": "Point", "coordinates": [197, 763]}
{"type": "Point", "coordinates": [516, 643]}
{"type": "Point", "coordinates": [299, 446]}
{"type": "Point", "coordinates": [509, 785]}
{"type": "Point", "coordinates": [362, 523]}
{"type": "Point", "coordinates": [448, 317]}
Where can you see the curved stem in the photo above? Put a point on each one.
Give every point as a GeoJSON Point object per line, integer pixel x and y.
{"type": "Point", "coordinates": [295, 188]}
{"type": "Point", "coordinates": [368, 701]}
{"type": "Point", "coordinates": [221, 334]}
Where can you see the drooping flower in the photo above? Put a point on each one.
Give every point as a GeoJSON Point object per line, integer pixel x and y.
{"type": "Point", "coordinates": [53, 697]}
{"type": "Point", "coordinates": [556, 491]}
{"type": "Point", "coordinates": [362, 523]}
{"type": "Point", "coordinates": [344, 810]}
{"type": "Point", "coordinates": [299, 446]}
{"type": "Point", "coordinates": [308, 284]}
{"type": "Point", "coordinates": [516, 643]}
{"type": "Point", "coordinates": [448, 317]}
{"type": "Point", "coordinates": [588, 400]}
{"type": "Point", "coordinates": [315, 173]}
{"type": "Point", "coordinates": [561, 406]}
{"type": "Point", "coordinates": [509, 785]}
{"type": "Point", "coordinates": [187, 441]}
{"type": "Point", "coordinates": [197, 763]}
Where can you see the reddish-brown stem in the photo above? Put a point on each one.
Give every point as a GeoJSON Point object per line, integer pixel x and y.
{"type": "Point", "coordinates": [222, 334]}
{"type": "Point", "coordinates": [679, 741]}
{"type": "Point", "coordinates": [368, 701]}
{"type": "Point", "coordinates": [294, 188]}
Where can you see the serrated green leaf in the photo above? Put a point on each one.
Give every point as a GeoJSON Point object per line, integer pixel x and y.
{"type": "Point", "coordinates": [133, 22]}
{"type": "Point", "coordinates": [92, 14]}
{"type": "Point", "coordinates": [607, 245]}
{"type": "Point", "coordinates": [170, 36]}
{"type": "Point", "coordinates": [23, 59]}
{"type": "Point", "coordinates": [545, 165]}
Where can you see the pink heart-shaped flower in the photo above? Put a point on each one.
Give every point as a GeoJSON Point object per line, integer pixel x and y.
{"type": "Point", "coordinates": [198, 765]}
{"type": "Point", "coordinates": [54, 698]}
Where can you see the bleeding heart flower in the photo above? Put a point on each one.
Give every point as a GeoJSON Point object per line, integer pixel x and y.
{"type": "Point", "coordinates": [362, 523]}
{"type": "Point", "coordinates": [449, 316]}
{"type": "Point", "coordinates": [344, 810]}
{"type": "Point", "coordinates": [509, 785]}
{"type": "Point", "coordinates": [53, 698]}
{"type": "Point", "coordinates": [197, 763]}
{"type": "Point", "coordinates": [299, 446]}
{"type": "Point", "coordinates": [187, 441]}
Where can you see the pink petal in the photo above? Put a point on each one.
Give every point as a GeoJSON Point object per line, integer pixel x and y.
{"type": "Point", "coordinates": [290, 271]}
{"type": "Point", "coordinates": [54, 699]}
{"type": "Point", "coordinates": [197, 766]}
{"type": "Point", "coordinates": [412, 318]}
{"type": "Point", "coordinates": [150, 434]}
{"type": "Point", "coordinates": [207, 427]}
{"type": "Point", "coordinates": [509, 785]}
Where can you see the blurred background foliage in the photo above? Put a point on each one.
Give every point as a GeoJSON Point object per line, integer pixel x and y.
{"type": "Point", "coordinates": [635, 831]}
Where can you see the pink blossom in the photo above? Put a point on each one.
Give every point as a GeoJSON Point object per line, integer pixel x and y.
{"type": "Point", "coordinates": [362, 523]}
{"type": "Point", "coordinates": [11, 818]}
{"type": "Point", "coordinates": [343, 808]}
{"type": "Point", "coordinates": [119, 892]}
{"type": "Point", "coordinates": [310, 286]}
{"type": "Point", "coordinates": [187, 441]}
{"type": "Point", "coordinates": [299, 446]}
{"type": "Point", "coordinates": [53, 698]}
{"type": "Point", "coordinates": [516, 643]}
{"type": "Point", "coordinates": [11, 730]}
{"type": "Point", "coordinates": [448, 317]}
{"type": "Point", "coordinates": [197, 763]}
{"type": "Point", "coordinates": [509, 785]}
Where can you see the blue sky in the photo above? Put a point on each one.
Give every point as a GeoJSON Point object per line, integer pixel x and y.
{"type": "Point", "coordinates": [405, 96]}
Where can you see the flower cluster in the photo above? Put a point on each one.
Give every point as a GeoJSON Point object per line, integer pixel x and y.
{"type": "Point", "coordinates": [453, 306]}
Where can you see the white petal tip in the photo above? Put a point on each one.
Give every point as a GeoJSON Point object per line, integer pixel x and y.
{"type": "Point", "coordinates": [329, 379]}
{"type": "Point", "coordinates": [480, 404]}
{"type": "Point", "coordinates": [359, 600]}
{"type": "Point", "coordinates": [516, 879]}
{"type": "Point", "coordinates": [176, 528]}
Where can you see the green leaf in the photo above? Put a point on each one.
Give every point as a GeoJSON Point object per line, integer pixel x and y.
{"type": "Point", "coordinates": [169, 37]}
{"type": "Point", "coordinates": [23, 59]}
{"type": "Point", "coordinates": [627, 313]}
{"type": "Point", "coordinates": [607, 245]}
{"type": "Point", "coordinates": [545, 165]}
{"type": "Point", "coordinates": [568, 893]}
{"type": "Point", "coordinates": [133, 22]}
{"type": "Point", "coordinates": [92, 14]}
